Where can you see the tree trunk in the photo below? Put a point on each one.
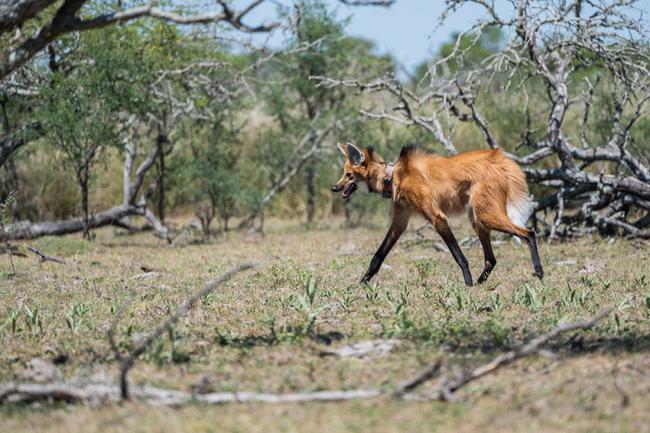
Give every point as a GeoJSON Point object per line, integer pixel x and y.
{"type": "Point", "coordinates": [205, 213]}
{"type": "Point", "coordinates": [311, 192]}
{"type": "Point", "coordinates": [12, 184]}
{"type": "Point", "coordinates": [83, 177]}
{"type": "Point", "coordinates": [129, 156]}
{"type": "Point", "coordinates": [9, 145]}
{"type": "Point", "coordinates": [205, 225]}
{"type": "Point", "coordinates": [160, 142]}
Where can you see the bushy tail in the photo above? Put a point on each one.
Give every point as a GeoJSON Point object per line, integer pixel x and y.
{"type": "Point", "coordinates": [520, 209]}
{"type": "Point", "coordinates": [520, 203]}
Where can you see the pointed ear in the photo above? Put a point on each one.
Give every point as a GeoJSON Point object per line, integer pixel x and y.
{"type": "Point", "coordinates": [355, 154]}
{"type": "Point", "coordinates": [341, 147]}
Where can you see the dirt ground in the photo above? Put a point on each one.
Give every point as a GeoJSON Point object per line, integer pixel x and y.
{"type": "Point", "coordinates": [266, 331]}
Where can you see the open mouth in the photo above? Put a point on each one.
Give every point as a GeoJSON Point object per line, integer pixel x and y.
{"type": "Point", "coordinates": [349, 189]}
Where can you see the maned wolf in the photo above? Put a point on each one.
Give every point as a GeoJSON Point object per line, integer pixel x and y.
{"type": "Point", "coordinates": [486, 182]}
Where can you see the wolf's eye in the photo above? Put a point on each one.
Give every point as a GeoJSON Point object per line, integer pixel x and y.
{"type": "Point", "coordinates": [349, 175]}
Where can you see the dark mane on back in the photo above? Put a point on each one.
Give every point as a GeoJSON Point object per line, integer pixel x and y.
{"type": "Point", "coordinates": [412, 149]}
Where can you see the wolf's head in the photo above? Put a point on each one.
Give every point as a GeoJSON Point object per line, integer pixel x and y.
{"type": "Point", "coordinates": [360, 165]}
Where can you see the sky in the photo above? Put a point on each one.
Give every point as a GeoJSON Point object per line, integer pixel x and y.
{"type": "Point", "coordinates": [409, 29]}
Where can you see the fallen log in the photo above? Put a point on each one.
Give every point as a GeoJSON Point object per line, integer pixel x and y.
{"type": "Point", "coordinates": [98, 393]}
{"type": "Point", "coordinates": [113, 216]}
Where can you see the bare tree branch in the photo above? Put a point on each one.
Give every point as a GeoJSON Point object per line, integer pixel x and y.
{"type": "Point", "coordinates": [15, 12]}
{"type": "Point", "coordinates": [66, 20]}
{"type": "Point", "coordinates": [308, 147]}
{"type": "Point", "coordinates": [28, 230]}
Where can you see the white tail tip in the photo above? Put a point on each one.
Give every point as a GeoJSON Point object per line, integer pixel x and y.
{"type": "Point", "coordinates": [520, 210]}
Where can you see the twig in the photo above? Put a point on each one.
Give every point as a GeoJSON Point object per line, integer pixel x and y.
{"type": "Point", "coordinates": [449, 386]}
{"type": "Point", "coordinates": [427, 374]}
{"type": "Point", "coordinates": [44, 257]}
{"type": "Point", "coordinates": [113, 326]}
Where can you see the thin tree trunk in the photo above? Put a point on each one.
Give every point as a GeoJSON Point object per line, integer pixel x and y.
{"type": "Point", "coordinates": [83, 176]}
{"type": "Point", "coordinates": [162, 139]}
{"type": "Point", "coordinates": [129, 156]}
{"type": "Point", "coordinates": [206, 227]}
{"type": "Point", "coordinates": [13, 184]}
{"type": "Point", "coordinates": [84, 199]}
{"type": "Point", "coordinates": [311, 192]}
{"type": "Point", "coordinates": [262, 221]}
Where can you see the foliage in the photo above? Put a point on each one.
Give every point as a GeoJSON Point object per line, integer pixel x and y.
{"type": "Point", "coordinates": [318, 46]}
{"type": "Point", "coordinates": [81, 110]}
{"type": "Point", "coordinates": [213, 171]}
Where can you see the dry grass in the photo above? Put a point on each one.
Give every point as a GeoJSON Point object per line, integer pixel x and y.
{"type": "Point", "coordinates": [257, 334]}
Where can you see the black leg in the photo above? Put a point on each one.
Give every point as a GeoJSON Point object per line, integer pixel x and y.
{"type": "Point", "coordinates": [490, 260]}
{"type": "Point", "coordinates": [506, 226]}
{"type": "Point", "coordinates": [380, 255]}
{"type": "Point", "coordinates": [397, 227]}
{"type": "Point", "coordinates": [442, 227]}
{"type": "Point", "coordinates": [537, 263]}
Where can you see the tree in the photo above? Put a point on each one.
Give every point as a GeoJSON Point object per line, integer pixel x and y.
{"type": "Point", "coordinates": [27, 27]}
{"type": "Point", "coordinates": [5, 217]}
{"type": "Point", "coordinates": [83, 15]}
{"type": "Point", "coordinates": [80, 121]}
{"type": "Point", "coordinates": [301, 108]}
{"type": "Point", "coordinates": [212, 174]}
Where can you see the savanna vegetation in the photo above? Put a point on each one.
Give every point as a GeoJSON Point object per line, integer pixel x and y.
{"type": "Point", "coordinates": [147, 148]}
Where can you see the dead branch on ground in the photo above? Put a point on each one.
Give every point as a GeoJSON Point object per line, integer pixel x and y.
{"type": "Point", "coordinates": [96, 393]}
{"type": "Point", "coordinates": [451, 385]}
{"type": "Point", "coordinates": [45, 258]}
